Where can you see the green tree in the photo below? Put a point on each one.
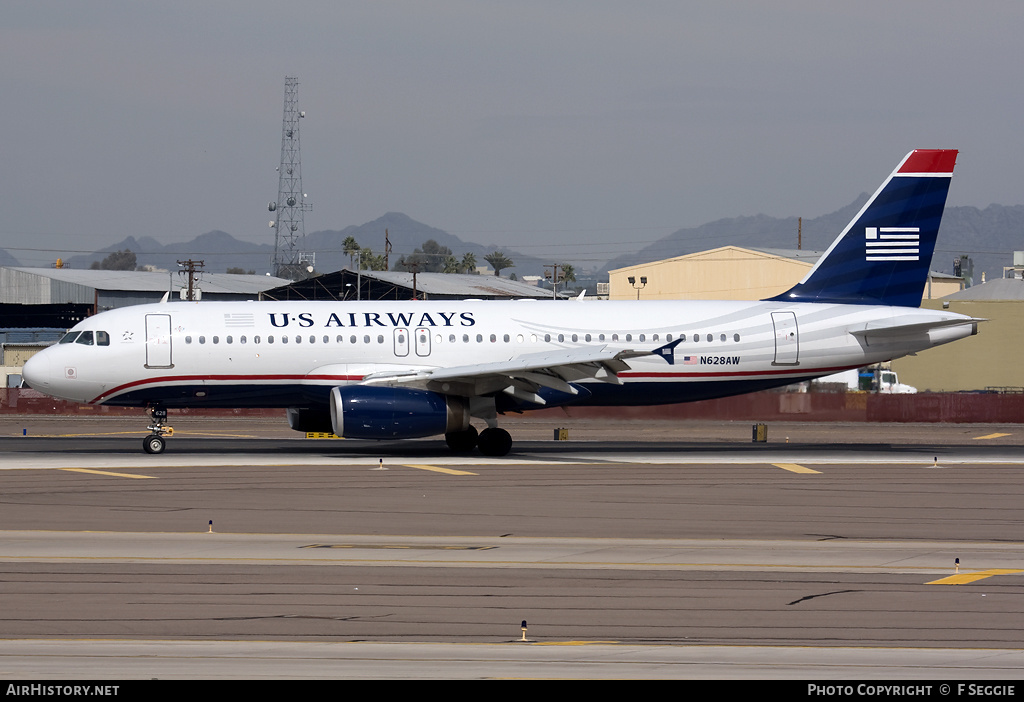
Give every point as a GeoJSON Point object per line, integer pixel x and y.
{"type": "Point", "coordinates": [468, 264]}
{"type": "Point", "coordinates": [369, 261]}
{"type": "Point", "coordinates": [351, 247]}
{"type": "Point", "coordinates": [499, 262]}
{"type": "Point", "coordinates": [451, 265]}
{"type": "Point", "coordinates": [429, 258]}
{"type": "Point", "coordinates": [116, 261]}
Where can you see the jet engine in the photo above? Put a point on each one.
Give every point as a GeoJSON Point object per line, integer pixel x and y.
{"type": "Point", "coordinates": [369, 412]}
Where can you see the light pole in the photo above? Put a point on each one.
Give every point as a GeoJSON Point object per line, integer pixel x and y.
{"type": "Point", "coordinates": [641, 286]}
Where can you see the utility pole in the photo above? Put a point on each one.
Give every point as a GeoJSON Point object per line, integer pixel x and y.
{"type": "Point", "coordinates": [191, 269]}
{"type": "Point", "coordinates": [554, 277]}
{"type": "Point", "coordinates": [290, 227]}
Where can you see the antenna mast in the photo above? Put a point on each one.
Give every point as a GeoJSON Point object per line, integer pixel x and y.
{"type": "Point", "coordinates": [290, 228]}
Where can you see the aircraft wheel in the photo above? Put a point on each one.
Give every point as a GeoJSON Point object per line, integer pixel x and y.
{"type": "Point", "coordinates": [495, 442]}
{"type": "Point", "coordinates": [462, 441]}
{"type": "Point", "coordinates": [154, 443]}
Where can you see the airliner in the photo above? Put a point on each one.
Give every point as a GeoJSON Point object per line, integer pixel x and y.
{"type": "Point", "coordinates": [413, 369]}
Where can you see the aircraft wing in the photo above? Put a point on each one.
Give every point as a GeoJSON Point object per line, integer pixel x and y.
{"type": "Point", "coordinates": [521, 377]}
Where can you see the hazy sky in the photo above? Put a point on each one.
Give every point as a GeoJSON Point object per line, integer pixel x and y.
{"type": "Point", "coordinates": [571, 130]}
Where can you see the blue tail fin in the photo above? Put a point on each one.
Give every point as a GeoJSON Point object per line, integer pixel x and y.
{"type": "Point", "coordinates": [883, 255]}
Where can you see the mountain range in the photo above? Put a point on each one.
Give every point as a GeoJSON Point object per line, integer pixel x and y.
{"type": "Point", "coordinates": [988, 235]}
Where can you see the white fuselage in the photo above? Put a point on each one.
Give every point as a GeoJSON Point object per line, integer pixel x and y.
{"type": "Point", "coordinates": [284, 354]}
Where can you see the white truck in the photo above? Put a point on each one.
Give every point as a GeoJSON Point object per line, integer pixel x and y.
{"type": "Point", "coordinates": [869, 379]}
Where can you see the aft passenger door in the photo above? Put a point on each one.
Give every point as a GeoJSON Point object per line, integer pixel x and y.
{"type": "Point", "coordinates": [787, 339]}
{"type": "Point", "coordinates": [158, 341]}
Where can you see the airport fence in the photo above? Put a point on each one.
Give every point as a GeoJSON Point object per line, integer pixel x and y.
{"type": "Point", "coordinates": [762, 406]}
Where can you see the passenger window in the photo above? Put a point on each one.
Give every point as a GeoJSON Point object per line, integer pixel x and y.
{"type": "Point", "coordinates": [735, 337]}
{"type": "Point", "coordinates": [216, 339]}
{"type": "Point", "coordinates": [202, 340]}
{"type": "Point", "coordinates": [230, 340]}
{"type": "Point", "coordinates": [188, 340]}
{"type": "Point", "coordinates": [270, 339]}
{"type": "Point", "coordinates": [711, 337]}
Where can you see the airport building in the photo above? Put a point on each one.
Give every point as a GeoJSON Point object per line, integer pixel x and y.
{"type": "Point", "coordinates": [732, 273]}
{"type": "Point", "coordinates": [399, 285]}
{"type": "Point", "coordinates": [988, 361]}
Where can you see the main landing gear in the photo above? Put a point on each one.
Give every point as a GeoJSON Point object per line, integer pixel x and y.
{"type": "Point", "coordinates": [154, 443]}
{"type": "Point", "coordinates": [492, 441]}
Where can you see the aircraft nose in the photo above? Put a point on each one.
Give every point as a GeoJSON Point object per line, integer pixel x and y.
{"type": "Point", "coordinates": [36, 373]}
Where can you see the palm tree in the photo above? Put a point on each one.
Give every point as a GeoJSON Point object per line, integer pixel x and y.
{"type": "Point", "coordinates": [351, 247]}
{"type": "Point", "coordinates": [499, 261]}
{"type": "Point", "coordinates": [468, 264]}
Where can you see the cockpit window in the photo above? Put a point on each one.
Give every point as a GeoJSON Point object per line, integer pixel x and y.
{"type": "Point", "coordinates": [85, 338]}
{"type": "Point", "coordinates": [69, 337]}
{"type": "Point", "coordinates": [102, 338]}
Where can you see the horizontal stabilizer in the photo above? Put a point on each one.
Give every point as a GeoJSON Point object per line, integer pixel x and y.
{"type": "Point", "coordinates": [901, 326]}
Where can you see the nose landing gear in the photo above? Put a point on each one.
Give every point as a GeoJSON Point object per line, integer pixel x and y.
{"type": "Point", "coordinates": [154, 443]}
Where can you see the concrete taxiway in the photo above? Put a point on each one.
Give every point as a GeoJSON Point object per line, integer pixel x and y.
{"type": "Point", "coordinates": [657, 550]}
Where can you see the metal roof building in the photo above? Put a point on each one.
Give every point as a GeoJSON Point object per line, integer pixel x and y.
{"type": "Point", "coordinates": [104, 290]}
{"type": "Point", "coordinates": [397, 285]}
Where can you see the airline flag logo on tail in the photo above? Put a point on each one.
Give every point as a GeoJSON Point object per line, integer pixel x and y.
{"type": "Point", "coordinates": [892, 243]}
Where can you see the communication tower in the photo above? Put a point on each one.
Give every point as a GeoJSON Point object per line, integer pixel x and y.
{"type": "Point", "coordinates": [290, 228]}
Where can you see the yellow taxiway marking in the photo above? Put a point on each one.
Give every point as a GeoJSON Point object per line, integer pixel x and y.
{"type": "Point", "coordinates": [990, 436]}
{"type": "Point", "coordinates": [794, 468]}
{"type": "Point", "coordinates": [438, 469]}
{"type": "Point", "coordinates": [964, 578]}
{"type": "Point", "coordinates": [216, 435]}
{"type": "Point", "coordinates": [107, 472]}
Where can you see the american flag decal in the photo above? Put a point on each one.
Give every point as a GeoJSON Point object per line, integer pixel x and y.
{"type": "Point", "coordinates": [239, 319]}
{"type": "Point", "coordinates": [892, 243]}
{"type": "Point", "coordinates": [689, 360]}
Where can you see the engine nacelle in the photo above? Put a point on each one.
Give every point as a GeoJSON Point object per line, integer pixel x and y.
{"type": "Point", "coordinates": [369, 412]}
